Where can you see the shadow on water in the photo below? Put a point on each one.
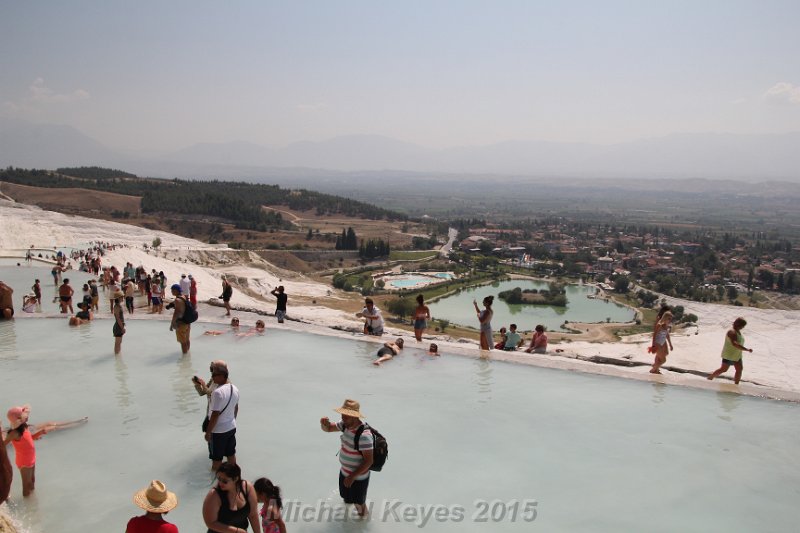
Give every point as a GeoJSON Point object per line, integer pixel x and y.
{"type": "Point", "coordinates": [659, 391]}
{"type": "Point", "coordinates": [483, 377]}
{"type": "Point", "coordinates": [123, 393]}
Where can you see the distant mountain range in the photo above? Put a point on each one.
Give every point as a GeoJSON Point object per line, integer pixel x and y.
{"type": "Point", "coordinates": [707, 155]}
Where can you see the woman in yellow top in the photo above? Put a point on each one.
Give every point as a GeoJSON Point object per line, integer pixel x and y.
{"type": "Point", "coordinates": [732, 351]}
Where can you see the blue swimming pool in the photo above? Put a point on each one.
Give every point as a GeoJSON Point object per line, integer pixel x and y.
{"type": "Point", "coordinates": [469, 438]}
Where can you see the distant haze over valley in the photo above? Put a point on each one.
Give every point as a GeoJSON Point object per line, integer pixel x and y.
{"type": "Point", "coordinates": [711, 155]}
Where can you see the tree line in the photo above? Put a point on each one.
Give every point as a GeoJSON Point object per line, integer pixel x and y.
{"type": "Point", "coordinates": [236, 201]}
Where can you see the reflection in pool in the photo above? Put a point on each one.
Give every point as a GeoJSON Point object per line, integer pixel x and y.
{"type": "Point", "coordinates": [594, 453]}
{"type": "Point", "coordinates": [580, 308]}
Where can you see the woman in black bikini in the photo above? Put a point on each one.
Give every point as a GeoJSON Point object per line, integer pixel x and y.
{"type": "Point", "coordinates": [232, 502]}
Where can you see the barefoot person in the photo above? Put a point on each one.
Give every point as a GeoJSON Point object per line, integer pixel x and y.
{"type": "Point", "coordinates": [270, 495]}
{"type": "Point", "coordinates": [227, 292]}
{"type": "Point", "coordinates": [539, 341]}
{"type": "Point", "coordinates": [661, 341]}
{"type": "Point", "coordinates": [183, 330]}
{"type": "Point", "coordinates": [485, 320]}
{"type": "Point", "coordinates": [354, 461]}
{"type": "Point", "coordinates": [20, 436]}
{"type": "Point", "coordinates": [230, 505]}
{"type": "Point", "coordinates": [223, 408]}
{"type": "Point", "coordinates": [732, 351]}
{"type": "Point", "coordinates": [6, 301]}
{"type": "Point", "coordinates": [65, 292]}
{"type": "Point", "coordinates": [421, 316]}
{"type": "Point", "coordinates": [280, 306]}
{"type": "Point", "coordinates": [389, 350]}
{"type": "Point", "coordinates": [156, 501]}
{"type": "Point", "coordinates": [119, 320]}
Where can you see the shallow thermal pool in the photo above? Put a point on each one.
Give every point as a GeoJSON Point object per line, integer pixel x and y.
{"type": "Point", "coordinates": [587, 453]}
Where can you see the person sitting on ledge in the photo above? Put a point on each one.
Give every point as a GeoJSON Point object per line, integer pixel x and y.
{"type": "Point", "coordinates": [502, 344]}
{"type": "Point", "coordinates": [513, 339]}
{"type": "Point", "coordinates": [539, 341]}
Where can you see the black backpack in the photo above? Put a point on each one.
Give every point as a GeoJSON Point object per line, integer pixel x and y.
{"type": "Point", "coordinates": [380, 449]}
{"type": "Point", "coordinates": [189, 312]}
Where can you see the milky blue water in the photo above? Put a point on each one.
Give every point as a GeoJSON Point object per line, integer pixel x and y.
{"type": "Point", "coordinates": [467, 437]}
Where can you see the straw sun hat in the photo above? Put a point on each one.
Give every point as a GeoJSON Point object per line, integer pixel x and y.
{"type": "Point", "coordinates": [350, 408]}
{"type": "Point", "coordinates": [156, 498]}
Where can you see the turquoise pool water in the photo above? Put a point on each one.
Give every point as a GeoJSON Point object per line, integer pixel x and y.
{"type": "Point", "coordinates": [22, 278]}
{"type": "Point", "coordinates": [407, 282]}
{"type": "Point", "coordinates": [458, 308]}
{"type": "Point", "coordinates": [590, 453]}
{"type": "Point", "coordinates": [411, 280]}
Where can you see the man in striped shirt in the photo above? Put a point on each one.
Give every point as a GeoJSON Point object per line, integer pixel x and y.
{"type": "Point", "coordinates": [355, 463]}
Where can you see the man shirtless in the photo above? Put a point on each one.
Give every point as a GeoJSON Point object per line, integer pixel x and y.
{"type": "Point", "coordinates": [65, 293]}
{"type": "Point", "coordinates": [6, 301]}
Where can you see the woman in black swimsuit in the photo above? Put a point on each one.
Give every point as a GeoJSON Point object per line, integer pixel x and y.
{"type": "Point", "coordinates": [119, 320]}
{"type": "Point", "coordinates": [232, 502]}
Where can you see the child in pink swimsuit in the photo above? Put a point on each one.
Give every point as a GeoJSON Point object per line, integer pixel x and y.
{"type": "Point", "coordinates": [270, 496]}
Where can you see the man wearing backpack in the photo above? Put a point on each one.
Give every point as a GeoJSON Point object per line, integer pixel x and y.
{"type": "Point", "coordinates": [182, 329]}
{"type": "Point", "coordinates": [355, 458]}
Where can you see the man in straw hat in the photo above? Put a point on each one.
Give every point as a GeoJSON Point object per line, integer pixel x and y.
{"type": "Point", "coordinates": [156, 500]}
{"type": "Point", "coordinates": [355, 463]}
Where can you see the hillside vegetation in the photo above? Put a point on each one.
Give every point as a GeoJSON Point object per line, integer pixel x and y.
{"type": "Point", "coordinates": [238, 202]}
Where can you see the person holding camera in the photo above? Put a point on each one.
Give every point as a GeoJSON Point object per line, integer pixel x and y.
{"type": "Point", "coordinates": [204, 388]}
{"type": "Point", "coordinates": [373, 320]}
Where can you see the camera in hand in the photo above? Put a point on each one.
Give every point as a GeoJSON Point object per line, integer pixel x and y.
{"type": "Point", "coordinates": [171, 305]}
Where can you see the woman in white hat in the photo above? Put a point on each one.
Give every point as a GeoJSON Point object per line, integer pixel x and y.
{"type": "Point", "coordinates": [156, 500]}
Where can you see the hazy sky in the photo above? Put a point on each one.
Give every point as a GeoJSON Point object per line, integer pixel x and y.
{"type": "Point", "coordinates": [161, 75]}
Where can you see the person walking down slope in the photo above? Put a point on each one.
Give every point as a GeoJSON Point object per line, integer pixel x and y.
{"type": "Point", "coordinates": [732, 351]}
{"type": "Point", "coordinates": [661, 340]}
